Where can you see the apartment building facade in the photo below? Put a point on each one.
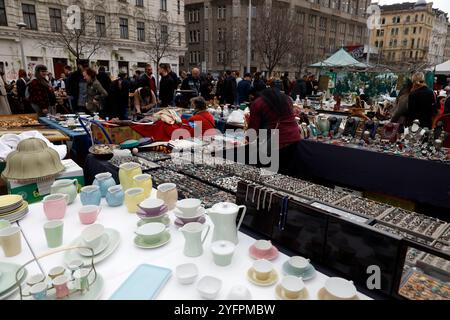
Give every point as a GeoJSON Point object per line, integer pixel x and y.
{"type": "Point", "coordinates": [123, 29]}
{"type": "Point", "coordinates": [216, 31]}
{"type": "Point", "coordinates": [411, 33]}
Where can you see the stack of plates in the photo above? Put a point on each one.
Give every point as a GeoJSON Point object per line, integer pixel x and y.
{"type": "Point", "coordinates": [8, 284]}
{"type": "Point", "coordinates": [12, 207]}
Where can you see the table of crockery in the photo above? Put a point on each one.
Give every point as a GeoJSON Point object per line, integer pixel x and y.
{"type": "Point", "coordinates": [118, 266]}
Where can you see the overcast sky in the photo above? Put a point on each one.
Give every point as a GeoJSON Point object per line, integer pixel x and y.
{"type": "Point", "coordinates": [444, 5]}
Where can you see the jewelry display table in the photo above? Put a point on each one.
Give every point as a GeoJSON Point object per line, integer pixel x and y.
{"type": "Point", "coordinates": [421, 181]}
{"type": "Point", "coordinates": [120, 264]}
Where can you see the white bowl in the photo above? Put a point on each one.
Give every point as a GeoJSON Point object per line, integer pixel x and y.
{"type": "Point", "coordinates": [340, 288]}
{"type": "Point", "coordinates": [209, 287]}
{"type": "Point", "coordinates": [186, 273]}
{"type": "Point", "coordinates": [239, 293]}
{"type": "Point", "coordinates": [92, 235]}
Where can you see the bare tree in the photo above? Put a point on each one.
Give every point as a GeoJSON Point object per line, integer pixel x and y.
{"type": "Point", "coordinates": [226, 47]}
{"type": "Point", "coordinates": [79, 39]}
{"type": "Point", "coordinates": [162, 37]}
{"type": "Point", "coordinates": [278, 28]}
{"type": "Point", "coordinates": [299, 53]}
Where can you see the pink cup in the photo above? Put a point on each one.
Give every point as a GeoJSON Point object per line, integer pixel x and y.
{"type": "Point", "coordinates": [55, 206]}
{"type": "Point", "coordinates": [60, 284]}
{"type": "Point", "coordinates": [88, 214]}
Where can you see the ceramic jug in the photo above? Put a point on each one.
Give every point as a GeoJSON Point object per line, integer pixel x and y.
{"type": "Point", "coordinates": [65, 186]}
{"type": "Point", "coordinates": [115, 196]}
{"type": "Point", "coordinates": [127, 171]}
{"type": "Point", "coordinates": [104, 181]}
{"type": "Point", "coordinates": [223, 215]}
{"type": "Point", "coordinates": [323, 124]}
{"type": "Point", "coordinates": [192, 232]}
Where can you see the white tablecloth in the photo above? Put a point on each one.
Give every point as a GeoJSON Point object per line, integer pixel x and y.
{"type": "Point", "coordinates": [117, 267]}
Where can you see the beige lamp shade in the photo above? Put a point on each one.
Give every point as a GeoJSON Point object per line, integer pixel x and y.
{"type": "Point", "coordinates": [32, 160]}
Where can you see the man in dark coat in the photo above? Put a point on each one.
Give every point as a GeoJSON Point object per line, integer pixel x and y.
{"type": "Point", "coordinates": [166, 86]}
{"type": "Point", "coordinates": [147, 79]}
{"type": "Point", "coordinates": [229, 88]}
{"type": "Point", "coordinates": [243, 88]}
{"type": "Point", "coordinates": [421, 102]}
{"type": "Point", "coordinates": [104, 79]}
{"type": "Point", "coordinates": [299, 88]}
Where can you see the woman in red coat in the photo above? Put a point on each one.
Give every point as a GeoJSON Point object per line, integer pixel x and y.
{"type": "Point", "coordinates": [201, 117]}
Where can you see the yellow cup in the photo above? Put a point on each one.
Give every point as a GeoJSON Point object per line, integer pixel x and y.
{"type": "Point", "coordinates": [126, 173]}
{"type": "Point", "coordinates": [133, 197]}
{"type": "Point", "coordinates": [143, 181]}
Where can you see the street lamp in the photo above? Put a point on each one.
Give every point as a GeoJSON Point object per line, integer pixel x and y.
{"type": "Point", "coordinates": [22, 25]}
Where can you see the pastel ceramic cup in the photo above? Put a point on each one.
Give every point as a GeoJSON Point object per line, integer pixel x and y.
{"type": "Point", "coordinates": [115, 196]}
{"type": "Point", "coordinates": [133, 197]}
{"type": "Point", "coordinates": [11, 241]}
{"type": "Point", "coordinates": [4, 224]}
{"type": "Point", "coordinates": [60, 284]}
{"type": "Point", "coordinates": [292, 287]}
{"type": "Point", "coordinates": [151, 232]}
{"type": "Point", "coordinates": [104, 181]}
{"type": "Point", "coordinates": [74, 265]}
{"type": "Point", "coordinates": [239, 293]}
{"type": "Point", "coordinates": [298, 264]}
{"type": "Point", "coordinates": [263, 247]}
{"type": "Point", "coordinates": [143, 181]}
{"type": "Point", "coordinates": [223, 252]}
{"type": "Point", "coordinates": [126, 173]}
{"type": "Point", "coordinates": [89, 214]}
{"type": "Point", "coordinates": [263, 268]}
{"type": "Point", "coordinates": [90, 195]}
{"type": "Point", "coordinates": [189, 207]}
{"type": "Point", "coordinates": [35, 279]}
{"type": "Point", "coordinates": [54, 233]}
{"type": "Point", "coordinates": [152, 207]}
{"type": "Point", "coordinates": [56, 272]}
{"type": "Point", "coordinates": [81, 277]}
{"type": "Point", "coordinates": [39, 291]}
{"type": "Point", "coordinates": [92, 235]}
{"type": "Point", "coordinates": [55, 206]}
{"type": "Point", "coordinates": [66, 186]}
{"type": "Point", "coordinates": [339, 289]}
{"type": "Point", "coordinates": [168, 193]}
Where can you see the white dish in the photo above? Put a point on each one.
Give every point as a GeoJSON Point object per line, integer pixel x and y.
{"type": "Point", "coordinates": [209, 287]}
{"type": "Point", "coordinates": [340, 288]}
{"type": "Point", "coordinates": [180, 215]}
{"type": "Point", "coordinates": [239, 293]}
{"type": "Point", "coordinates": [186, 273]}
{"type": "Point", "coordinates": [104, 241]}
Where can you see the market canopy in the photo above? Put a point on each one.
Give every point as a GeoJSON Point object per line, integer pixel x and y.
{"type": "Point", "coordinates": [340, 59]}
{"type": "Point", "coordinates": [443, 68]}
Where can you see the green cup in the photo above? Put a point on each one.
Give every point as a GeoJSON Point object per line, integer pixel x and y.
{"type": "Point", "coordinates": [4, 223]}
{"type": "Point", "coordinates": [54, 233]}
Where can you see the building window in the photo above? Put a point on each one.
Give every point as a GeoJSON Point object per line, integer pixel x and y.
{"type": "Point", "coordinates": [178, 6]}
{"type": "Point", "coordinates": [383, 21]}
{"type": "Point", "coordinates": [376, 44]}
{"type": "Point", "coordinates": [221, 12]}
{"type": "Point", "coordinates": [408, 19]}
{"type": "Point", "coordinates": [164, 33]}
{"type": "Point", "coordinates": [29, 16]}
{"type": "Point", "coordinates": [55, 20]}
{"type": "Point", "coordinates": [164, 5]}
{"type": "Point", "coordinates": [123, 23]}
{"type": "Point", "coordinates": [414, 30]}
{"type": "Point", "coordinates": [312, 20]}
{"type": "Point", "coordinates": [220, 34]}
{"type": "Point", "coordinates": [139, 3]}
{"type": "Point", "coordinates": [406, 31]}
{"type": "Point", "coordinates": [381, 44]}
{"type": "Point", "coordinates": [323, 23]}
{"type": "Point", "coordinates": [206, 35]}
{"type": "Point", "coordinates": [412, 43]}
{"type": "Point", "coordinates": [405, 43]}
{"type": "Point", "coordinates": [421, 18]}
{"type": "Point", "coordinates": [100, 26]}
{"type": "Point", "coordinates": [179, 39]}
{"type": "Point", "coordinates": [300, 17]}
{"type": "Point", "coordinates": [3, 20]}
{"type": "Point", "coordinates": [220, 56]}
{"type": "Point", "coordinates": [333, 26]}
{"type": "Point", "coordinates": [140, 31]}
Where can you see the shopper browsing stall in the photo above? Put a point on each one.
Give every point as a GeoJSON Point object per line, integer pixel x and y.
{"type": "Point", "coordinates": [40, 92]}
{"type": "Point", "coordinates": [96, 94]}
{"type": "Point", "coordinates": [422, 102]}
{"type": "Point", "coordinates": [144, 99]}
{"type": "Point", "coordinates": [201, 115]}
{"type": "Point", "coordinates": [274, 110]}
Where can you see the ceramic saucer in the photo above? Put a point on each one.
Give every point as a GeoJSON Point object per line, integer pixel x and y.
{"type": "Point", "coordinates": [165, 220]}
{"type": "Point", "coordinates": [144, 245]}
{"type": "Point", "coordinates": [114, 241]}
{"type": "Point", "coordinates": [308, 274]}
{"type": "Point", "coordinates": [179, 223]}
{"type": "Point", "coordinates": [324, 295]}
{"type": "Point", "coordinates": [8, 279]}
{"type": "Point", "coordinates": [142, 214]}
{"type": "Point", "coordinates": [10, 200]}
{"type": "Point", "coordinates": [14, 289]}
{"type": "Point", "coordinates": [251, 276]}
{"type": "Point", "coordinates": [104, 241]}
{"type": "Point", "coordinates": [271, 255]}
{"type": "Point", "coordinates": [279, 293]}
{"type": "Point", "coordinates": [200, 212]}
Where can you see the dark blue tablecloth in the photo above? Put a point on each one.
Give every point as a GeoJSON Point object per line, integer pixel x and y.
{"type": "Point", "coordinates": [421, 181]}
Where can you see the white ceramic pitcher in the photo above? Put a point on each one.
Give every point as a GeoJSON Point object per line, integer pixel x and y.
{"type": "Point", "coordinates": [193, 245]}
{"type": "Point", "coordinates": [223, 215]}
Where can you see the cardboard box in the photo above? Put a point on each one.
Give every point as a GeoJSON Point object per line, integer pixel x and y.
{"type": "Point", "coordinates": [34, 192]}
{"type": "Point", "coordinates": [117, 134]}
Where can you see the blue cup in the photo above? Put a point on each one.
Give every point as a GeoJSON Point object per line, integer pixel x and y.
{"type": "Point", "coordinates": [115, 196]}
{"type": "Point", "coordinates": [90, 195]}
{"type": "Point", "coordinates": [39, 291]}
{"type": "Point", "coordinates": [104, 181]}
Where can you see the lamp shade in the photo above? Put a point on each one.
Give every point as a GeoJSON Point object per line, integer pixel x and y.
{"type": "Point", "coordinates": [32, 160]}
